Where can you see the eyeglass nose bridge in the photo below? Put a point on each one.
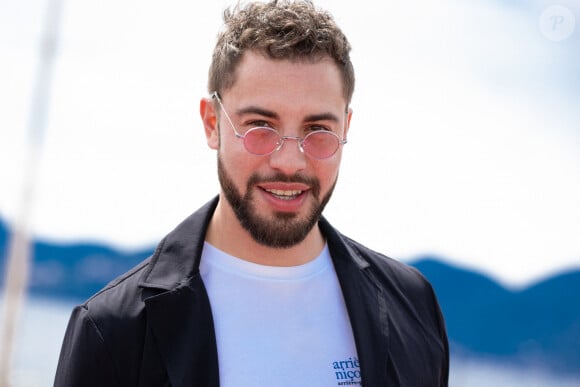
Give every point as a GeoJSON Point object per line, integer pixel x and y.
{"type": "Point", "coordinates": [282, 140]}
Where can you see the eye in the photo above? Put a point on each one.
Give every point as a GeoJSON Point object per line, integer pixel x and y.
{"type": "Point", "coordinates": [260, 123]}
{"type": "Point", "coordinates": [317, 128]}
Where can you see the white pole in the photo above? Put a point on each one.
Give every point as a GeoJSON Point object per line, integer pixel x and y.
{"type": "Point", "coordinates": [19, 252]}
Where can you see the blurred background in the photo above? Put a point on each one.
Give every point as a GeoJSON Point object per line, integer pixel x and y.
{"type": "Point", "coordinates": [463, 160]}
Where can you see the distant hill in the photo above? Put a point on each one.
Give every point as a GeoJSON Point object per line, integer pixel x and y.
{"type": "Point", "coordinates": [538, 326]}
{"type": "Point", "coordinates": [73, 271]}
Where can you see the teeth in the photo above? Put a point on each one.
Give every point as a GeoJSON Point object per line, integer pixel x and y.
{"type": "Point", "coordinates": [284, 194]}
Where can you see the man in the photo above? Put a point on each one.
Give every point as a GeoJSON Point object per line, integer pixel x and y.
{"type": "Point", "coordinates": [256, 288]}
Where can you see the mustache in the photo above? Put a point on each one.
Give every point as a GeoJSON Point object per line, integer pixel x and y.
{"type": "Point", "coordinates": [313, 182]}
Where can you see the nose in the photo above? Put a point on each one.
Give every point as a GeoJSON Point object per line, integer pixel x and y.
{"type": "Point", "coordinates": [289, 157]}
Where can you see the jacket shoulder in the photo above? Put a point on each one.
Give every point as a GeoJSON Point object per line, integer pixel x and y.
{"type": "Point", "coordinates": [103, 333]}
{"type": "Point", "coordinates": [410, 295]}
{"type": "Point", "coordinates": [120, 293]}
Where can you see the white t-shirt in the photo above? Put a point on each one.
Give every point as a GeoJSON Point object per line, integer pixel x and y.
{"type": "Point", "coordinates": [279, 326]}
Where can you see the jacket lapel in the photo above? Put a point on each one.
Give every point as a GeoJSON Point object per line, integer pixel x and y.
{"type": "Point", "coordinates": [366, 305]}
{"type": "Point", "coordinates": [177, 305]}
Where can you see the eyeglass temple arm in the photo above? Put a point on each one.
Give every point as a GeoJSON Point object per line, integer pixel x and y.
{"type": "Point", "coordinates": [216, 97]}
{"type": "Point", "coordinates": [344, 139]}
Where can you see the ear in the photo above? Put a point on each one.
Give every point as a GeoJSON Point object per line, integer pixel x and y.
{"type": "Point", "coordinates": [348, 117]}
{"type": "Point", "coordinates": [210, 120]}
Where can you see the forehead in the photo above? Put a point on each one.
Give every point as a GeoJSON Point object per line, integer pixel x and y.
{"type": "Point", "coordinates": [262, 80]}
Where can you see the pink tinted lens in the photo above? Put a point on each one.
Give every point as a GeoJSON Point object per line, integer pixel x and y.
{"type": "Point", "coordinates": [261, 141]}
{"type": "Point", "coordinates": [320, 145]}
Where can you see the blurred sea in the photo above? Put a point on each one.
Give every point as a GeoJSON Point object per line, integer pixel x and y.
{"type": "Point", "coordinates": [43, 324]}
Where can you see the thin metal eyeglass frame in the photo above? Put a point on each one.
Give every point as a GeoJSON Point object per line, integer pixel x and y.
{"type": "Point", "coordinates": [281, 139]}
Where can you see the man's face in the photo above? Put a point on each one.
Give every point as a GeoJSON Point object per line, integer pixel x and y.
{"type": "Point", "coordinates": [278, 198]}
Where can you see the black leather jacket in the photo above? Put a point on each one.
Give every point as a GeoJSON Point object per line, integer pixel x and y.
{"type": "Point", "coordinates": [153, 325]}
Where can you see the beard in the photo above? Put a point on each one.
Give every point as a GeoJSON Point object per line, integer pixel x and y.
{"type": "Point", "coordinates": [284, 229]}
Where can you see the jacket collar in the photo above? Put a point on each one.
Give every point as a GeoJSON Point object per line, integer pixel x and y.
{"type": "Point", "coordinates": [176, 298]}
{"type": "Point", "coordinates": [178, 255]}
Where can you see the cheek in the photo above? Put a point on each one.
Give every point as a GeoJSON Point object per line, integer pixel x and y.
{"type": "Point", "coordinates": [328, 173]}
{"type": "Point", "coordinates": [238, 164]}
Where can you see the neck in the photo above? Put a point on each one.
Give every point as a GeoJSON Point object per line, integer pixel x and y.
{"type": "Point", "coordinates": [227, 234]}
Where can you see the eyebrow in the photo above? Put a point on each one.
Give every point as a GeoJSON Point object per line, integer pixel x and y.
{"type": "Point", "coordinates": [322, 117]}
{"type": "Point", "coordinates": [257, 110]}
{"type": "Point", "coordinates": [270, 114]}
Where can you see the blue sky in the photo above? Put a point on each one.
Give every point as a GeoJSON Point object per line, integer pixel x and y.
{"type": "Point", "coordinates": [465, 139]}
